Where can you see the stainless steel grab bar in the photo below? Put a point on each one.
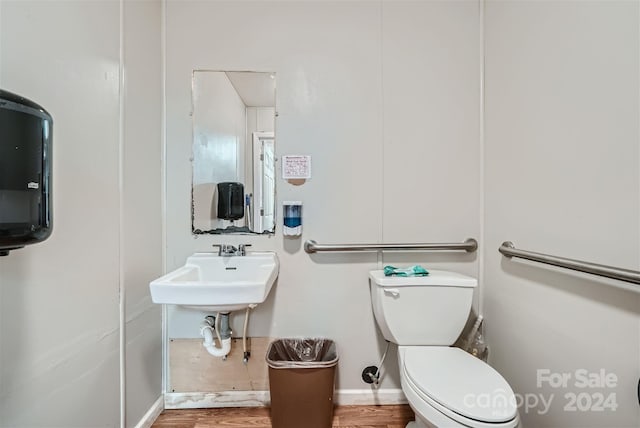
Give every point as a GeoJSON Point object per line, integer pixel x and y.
{"type": "Point", "coordinates": [470, 245]}
{"type": "Point", "coordinates": [509, 250]}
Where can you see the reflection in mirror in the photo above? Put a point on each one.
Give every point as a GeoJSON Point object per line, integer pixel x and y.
{"type": "Point", "coordinates": [233, 152]}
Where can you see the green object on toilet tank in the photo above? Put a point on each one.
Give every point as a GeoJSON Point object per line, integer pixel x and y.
{"type": "Point", "coordinates": [410, 271]}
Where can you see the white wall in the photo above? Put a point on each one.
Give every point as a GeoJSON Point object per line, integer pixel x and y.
{"type": "Point", "coordinates": [383, 96]}
{"type": "Point", "coordinates": [562, 177]}
{"type": "Point", "coordinates": [142, 239]}
{"type": "Point", "coordinates": [60, 309]}
{"type": "Point", "coordinates": [430, 126]}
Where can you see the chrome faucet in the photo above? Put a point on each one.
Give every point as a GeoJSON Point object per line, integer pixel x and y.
{"type": "Point", "coordinates": [225, 250]}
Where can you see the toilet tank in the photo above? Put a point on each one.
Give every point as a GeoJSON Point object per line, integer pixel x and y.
{"type": "Point", "coordinates": [429, 310]}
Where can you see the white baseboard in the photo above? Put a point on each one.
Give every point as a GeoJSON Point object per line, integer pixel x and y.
{"type": "Point", "coordinates": [369, 396]}
{"type": "Point", "coordinates": [152, 414]}
{"type": "Point", "coordinates": [343, 397]}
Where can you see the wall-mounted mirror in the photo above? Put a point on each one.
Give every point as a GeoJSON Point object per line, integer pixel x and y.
{"type": "Point", "coordinates": [233, 152]}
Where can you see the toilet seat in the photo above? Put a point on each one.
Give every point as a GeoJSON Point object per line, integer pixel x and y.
{"type": "Point", "coordinates": [459, 386]}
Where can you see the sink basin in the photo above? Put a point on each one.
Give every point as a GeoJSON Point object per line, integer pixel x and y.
{"type": "Point", "coordinates": [218, 283]}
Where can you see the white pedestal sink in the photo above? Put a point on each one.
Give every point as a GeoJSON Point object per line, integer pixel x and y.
{"type": "Point", "coordinates": [218, 283]}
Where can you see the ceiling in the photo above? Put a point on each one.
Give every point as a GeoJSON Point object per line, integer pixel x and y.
{"type": "Point", "coordinates": [256, 89]}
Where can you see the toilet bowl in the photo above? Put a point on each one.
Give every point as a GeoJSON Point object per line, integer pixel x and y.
{"type": "Point", "coordinates": [445, 386]}
{"type": "Point", "coordinates": [448, 388]}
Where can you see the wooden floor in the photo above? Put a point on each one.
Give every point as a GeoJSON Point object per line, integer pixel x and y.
{"type": "Point", "coordinates": [258, 417]}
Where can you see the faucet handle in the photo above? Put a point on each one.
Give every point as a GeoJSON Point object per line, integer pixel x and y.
{"type": "Point", "coordinates": [219, 248]}
{"type": "Point", "coordinates": [242, 249]}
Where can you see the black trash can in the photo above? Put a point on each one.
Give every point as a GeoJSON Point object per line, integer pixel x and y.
{"type": "Point", "coordinates": [301, 382]}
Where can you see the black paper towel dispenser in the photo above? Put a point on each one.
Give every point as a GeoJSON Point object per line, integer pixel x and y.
{"type": "Point", "coordinates": [230, 201]}
{"type": "Point", "coordinates": [26, 134]}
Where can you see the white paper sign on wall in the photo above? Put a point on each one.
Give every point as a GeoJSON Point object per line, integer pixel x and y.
{"type": "Point", "coordinates": [296, 167]}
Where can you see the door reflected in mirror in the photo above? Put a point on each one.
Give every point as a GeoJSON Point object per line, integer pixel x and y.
{"type": "Point", "coordinates": [233, 152]}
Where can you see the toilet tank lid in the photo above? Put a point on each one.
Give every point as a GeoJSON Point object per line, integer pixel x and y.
{"type": "Point", "coordinates": [441, 278]}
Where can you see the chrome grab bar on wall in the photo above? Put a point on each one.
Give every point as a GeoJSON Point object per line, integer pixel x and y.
{"type": "Point", "coordinates": [509, 250]}
{"type": "Point", "coordinates": [470, 245]}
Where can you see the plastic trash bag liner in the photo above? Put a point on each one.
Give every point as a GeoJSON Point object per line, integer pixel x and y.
{"type": "Point", "coordinates": [302, 353]}
{"type": "Point", "coordinates": [475, 344]}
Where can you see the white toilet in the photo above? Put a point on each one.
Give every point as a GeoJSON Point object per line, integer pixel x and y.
{"type": "Point", "coordinates": [446, 387]}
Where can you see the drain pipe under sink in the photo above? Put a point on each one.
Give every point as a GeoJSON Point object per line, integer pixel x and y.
{"type": "Point", "coordinates": [219, 324]}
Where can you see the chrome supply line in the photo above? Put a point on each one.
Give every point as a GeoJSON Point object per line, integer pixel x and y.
{"type": "Point", "coordinates": [509, 250]}
{"type": "Point", "coordinates": [470, 245]}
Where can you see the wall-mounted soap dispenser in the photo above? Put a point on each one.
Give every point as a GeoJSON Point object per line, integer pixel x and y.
{"type": "Point", "coordinates": [25, 172]}
{"type": "Point", "coordinates": [292, 217]}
